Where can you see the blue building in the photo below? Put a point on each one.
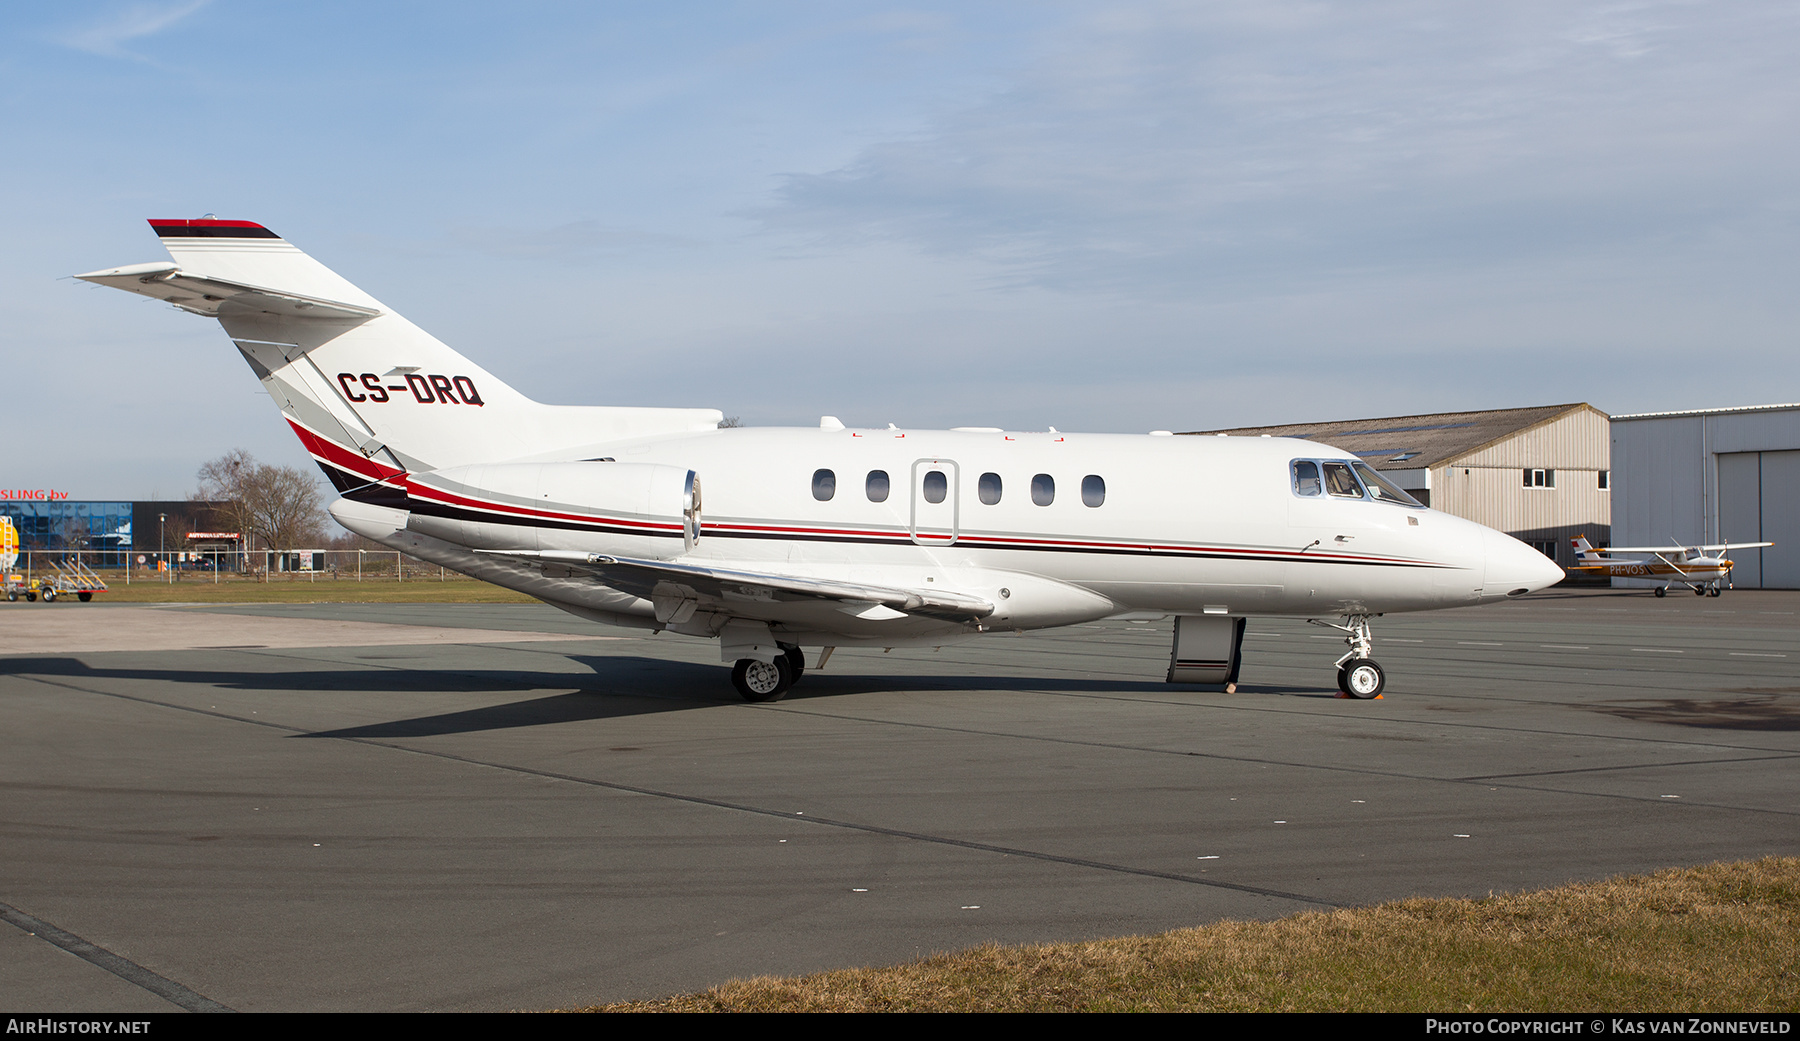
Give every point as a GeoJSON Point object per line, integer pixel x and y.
{"type": "Point", "coordinates": [106, 533]}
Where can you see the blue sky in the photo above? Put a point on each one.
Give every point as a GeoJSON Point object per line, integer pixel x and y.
{"type": "Point", "coordinates": [1112, 217]}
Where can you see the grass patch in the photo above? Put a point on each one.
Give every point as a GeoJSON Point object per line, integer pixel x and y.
{"type": "Point", "coordinates": [1722, 938]}
{"type": "Point", "coordinates": [453, 590]}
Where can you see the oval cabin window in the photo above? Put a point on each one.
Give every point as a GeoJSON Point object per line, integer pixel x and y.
{"type": "Point", "coordinates": [936, 486]}
{"type": "Point", "coordinates": [1043, 489]}
{"type": "Point", "coordinates": [1093, 490]}
{"type": "Point", "coordinates": [877, 486]}
{"type": "Point", "coordinates": [824, 485]}
{"type": "Point", "coordinates": [988, 489]}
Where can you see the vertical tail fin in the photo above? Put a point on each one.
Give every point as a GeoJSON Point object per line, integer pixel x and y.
{"type": "Point", "coordinates": [1585, 553]}
{"type": "Point", "coordinates": [370, 394]}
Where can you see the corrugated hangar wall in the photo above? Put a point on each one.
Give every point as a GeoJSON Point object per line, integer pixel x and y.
{"type": "Point", "coordinates": [1486, 485]}
{"type": "Point", "coordinates": [1712, 476]}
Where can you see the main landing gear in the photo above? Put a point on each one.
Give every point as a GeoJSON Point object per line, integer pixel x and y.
{"type": "Point", "coordinates": [1358, 675]}
{"type": "Point", "coordinates": [1709, 589]}
{"type": "Point", "coordinates": [768, 681]}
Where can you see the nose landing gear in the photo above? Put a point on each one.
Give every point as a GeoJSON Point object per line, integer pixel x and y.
{"type": "Point", "coordinates": [1358, 675]}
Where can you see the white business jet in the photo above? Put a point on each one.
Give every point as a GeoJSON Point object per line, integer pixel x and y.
{"type": "Point", "coordinates": [826, 537]}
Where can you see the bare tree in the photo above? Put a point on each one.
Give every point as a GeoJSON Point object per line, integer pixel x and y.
{"type": "Point", "coordinates": [277, 504]}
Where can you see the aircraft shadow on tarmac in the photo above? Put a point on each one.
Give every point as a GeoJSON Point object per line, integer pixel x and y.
{"type": "Point", "coordinates": [620, 686]}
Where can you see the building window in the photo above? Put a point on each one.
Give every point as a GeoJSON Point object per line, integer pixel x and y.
{"type": "Point", "coordinates": [1540, 478]}
{"type": "Point", "coordinates": [1605, 476]}
{"type": "Point", "coordinates": [988, 488]}
{"type": "Point", "coordinates": [1547, 548]}
{"type": "Point", "coordinates": [824, 485]}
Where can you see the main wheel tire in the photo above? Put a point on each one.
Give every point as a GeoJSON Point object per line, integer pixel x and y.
{"type": "Point", "coordinates": [1361, 678]}
{"type": "Point", "coordinates": [1715, 591]}
{"type": "Point", "coordinates": [1699, 590]}
{"type": "Point", "coordinates": [84, 596]}
{"type": "Point", "coordinates": [1662, 591]}
{"type": "Point", "coordinates": [762, 680]}
{"type": "Point", "coordinates": [796, 659]}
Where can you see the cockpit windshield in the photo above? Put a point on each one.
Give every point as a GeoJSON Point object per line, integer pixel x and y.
{"type": "Point", "coordinates": [1340, 482]}
{"type": "Point", "coordinates": [1383, 489]}
{"type": "Point", "coordinates": [1347, 479]}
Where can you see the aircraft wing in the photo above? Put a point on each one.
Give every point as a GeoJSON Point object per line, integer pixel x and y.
{"type": "Point", "coordinates": [206, 295]}
{"type": "Point", "coordinates": [660, 579]}
{"type": "Point", "coordinates": [1683, 549]}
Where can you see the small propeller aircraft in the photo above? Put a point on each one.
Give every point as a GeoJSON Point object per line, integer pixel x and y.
{"type": "Point", "coordinates": [1685, 565]}
{"type": "Point", "coordinates": [818, 537]}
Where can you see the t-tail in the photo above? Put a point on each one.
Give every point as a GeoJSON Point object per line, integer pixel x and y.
{"type": "Point", "coordinates": [371, 395]}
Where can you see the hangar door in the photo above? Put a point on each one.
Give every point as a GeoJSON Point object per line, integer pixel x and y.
{"type": "Point", "coordinates": [1759, 501]}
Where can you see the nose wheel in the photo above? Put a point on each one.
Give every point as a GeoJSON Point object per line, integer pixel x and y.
{"type": "Point", "coordinates": [1358, 675]}
{"type": "Point", "coordinates": [1361, 678]}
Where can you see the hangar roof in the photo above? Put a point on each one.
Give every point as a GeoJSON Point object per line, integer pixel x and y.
{"type": "Point", "coordinates": [1418, 442]}
{"type": "Point", "coordinates": [1709, 411]}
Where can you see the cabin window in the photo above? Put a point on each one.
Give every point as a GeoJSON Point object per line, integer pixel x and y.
{"type": "Point", "coordinates": [988, 488]}
{"type": "Point", "coordinates": [1043, 489]}
{"type": "Point", "coordinates": [1093, 490]}
{"type": "Point", "coordinates": [877, 486]}
{"type": "Point", "coordinates": [824, 485]}
{"type": "Point", "coordinates": [1306, 477]}
{"type": "Point", "coordinates": [1339, 481]}
{"type": "Point", "coordinates": [936, 486]}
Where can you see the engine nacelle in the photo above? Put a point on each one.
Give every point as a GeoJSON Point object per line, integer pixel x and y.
{"type": "Point", "coordinates": [632, 509]}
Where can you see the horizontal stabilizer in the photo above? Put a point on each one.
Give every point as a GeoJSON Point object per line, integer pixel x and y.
{"type": "Point", "coordinates": [213, 297]}
{"type": "Point", "coordinates": [651, 579]}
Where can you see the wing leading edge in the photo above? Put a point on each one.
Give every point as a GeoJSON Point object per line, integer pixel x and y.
{"type": "Point", "coordinates": [671, 585]}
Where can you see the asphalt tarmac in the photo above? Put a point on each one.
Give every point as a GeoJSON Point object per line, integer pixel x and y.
{"type": "Point", "coordinates": [389, 807]}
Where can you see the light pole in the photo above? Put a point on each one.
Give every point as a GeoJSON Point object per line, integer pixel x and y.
{"type": "Point", "coordinates": [162, 546]}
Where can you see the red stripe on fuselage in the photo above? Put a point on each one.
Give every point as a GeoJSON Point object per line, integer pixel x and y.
{"type": "Point", "coordinates": [337, 455]}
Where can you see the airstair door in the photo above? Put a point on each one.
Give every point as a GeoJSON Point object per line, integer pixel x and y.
{"type": "Point", "coordinates": [935, 491]}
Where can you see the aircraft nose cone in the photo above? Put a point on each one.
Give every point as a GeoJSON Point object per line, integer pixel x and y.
{"type": "Point", "coordinates": [1513, 568]}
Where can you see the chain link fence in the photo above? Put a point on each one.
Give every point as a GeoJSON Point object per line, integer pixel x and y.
{"type": "Point", "coordinates": [229, 565]}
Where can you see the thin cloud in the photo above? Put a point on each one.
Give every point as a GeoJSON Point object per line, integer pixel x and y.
{"type": "Point", "coordinates": [107, 35]}
{"type": "Point", "coordinates": [1164, 149]}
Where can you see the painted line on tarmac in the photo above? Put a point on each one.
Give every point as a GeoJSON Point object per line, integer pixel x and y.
{"type": "Point", "coordinates": [125, 969]}
{"type": "Point", "coordinates": [699, 800]}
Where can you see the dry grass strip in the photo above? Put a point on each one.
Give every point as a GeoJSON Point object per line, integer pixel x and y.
{"type": "Point", "coordinates": [1721, 938]}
